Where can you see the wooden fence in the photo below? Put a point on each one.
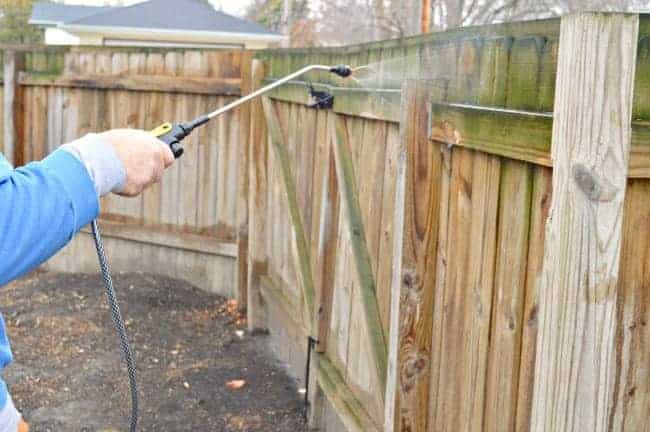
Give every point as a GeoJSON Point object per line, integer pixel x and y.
{"type": "Point", "coordinates": [407, 229]}
{"type": "Point", "coordinates": [465, 240]}
{"type": "Point", "coordinates": [187, 228]}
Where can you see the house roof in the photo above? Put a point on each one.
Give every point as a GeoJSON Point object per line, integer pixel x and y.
{"type": "Point", "coordinates": [190, 15]}
{"type": "Point", "coordinates": [45, 12]}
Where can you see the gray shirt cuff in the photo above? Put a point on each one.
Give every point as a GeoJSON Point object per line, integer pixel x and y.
{"type": "Point", "coordinates": [104, 166]}
{"type": "Point", "coordinates": [9, 416]}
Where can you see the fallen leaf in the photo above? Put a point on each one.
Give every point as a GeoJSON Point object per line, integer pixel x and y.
{"type": "Point", "coordinates": [235, 384]}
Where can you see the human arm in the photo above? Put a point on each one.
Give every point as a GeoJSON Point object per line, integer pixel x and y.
{"type": "Point", "coordinates": [43, 204]}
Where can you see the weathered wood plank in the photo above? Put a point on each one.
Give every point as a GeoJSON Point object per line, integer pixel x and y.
{"type": "Point", "coordinates": [369, 166]}
{"type": "Point", "coordinates": [632, 389]}
{"type": "Point", "coordinates": [519, 135]}
{"type": "Point", "coordinates": [540, 203]}
{"type": "Point", "coordinates": [349, 409]}
{"type": "Point", "coordinates": [478, 308]}
{"type": "Point", "coordinates": [372, 104]}
{"type": "Point", "coordinates": [167, 236]}
{"type": "Point", "coordinates": [243, 175]}
{"type": "Point", "coordinates": [417, 210]}
{"type": "Point", "coordinates": [349, 196]}
{"type": "Point", "coordinates": [303, 259]}
{"type": "Point", "coordinates": [272, 293]}
{"type": "Point", "coordinates": [503, 359]}
{"type": "Point", "coordinates": [151, 198]}
{"type": "Point", "coordinates": [326, 257]}
{"type": "Point", "coordinates": [14, 133]}
{"type": "Point", "coordinates": [27, 149]}
{"type": "Point", "coordinates": [257, 204]}
{"type": "Point", "coordinates": [384, 273]}
{"type": "Point", "coordinates": [138, 83]}
{"type": "Point", "coordinates": [464, 289]}
{"type": "Point", "coordinates": [172, 109]}
{"type": "Point", "coordinates": [576, 349]}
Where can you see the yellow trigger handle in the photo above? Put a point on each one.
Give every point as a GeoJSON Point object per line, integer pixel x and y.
{"type": "Point", "coordinates": [172, 135]}
{"type": "Point", "coordinates": [161, 130]}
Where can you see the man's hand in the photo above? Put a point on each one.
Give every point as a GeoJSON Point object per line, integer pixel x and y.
{"type": "Point", "coordinates": [144, 158]}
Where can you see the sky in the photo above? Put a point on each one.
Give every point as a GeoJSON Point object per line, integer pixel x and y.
{"type": "Point", "coordinates": [234, 7]}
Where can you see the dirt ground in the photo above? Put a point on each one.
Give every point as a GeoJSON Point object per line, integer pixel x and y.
{"type": "Point", "coordinates": [67, 373]}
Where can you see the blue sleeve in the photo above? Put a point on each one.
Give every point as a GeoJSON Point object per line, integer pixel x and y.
{"type": "Point", "coordinates": [42, 205]}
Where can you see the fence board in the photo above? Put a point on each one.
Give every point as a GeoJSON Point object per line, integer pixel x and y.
{"type": "Point", "coordinates": [631, 395]}
{"type": "Point", "coordinates": [282, 157]}
{"type": "Point", "coordinates": [575, 379]}
{"type": "Point", "coordinates": [140, 82]}
{"type": "Point", "coordinates": [540, 203]}
{"type": "Point", "coordinates": [257, 204]}
{"type": "Point", "coordinates": [416, 226]}
{"type": "Point", "coordinates": [508, 296]}
{"type": "Point", "coordinates": [362, 259]}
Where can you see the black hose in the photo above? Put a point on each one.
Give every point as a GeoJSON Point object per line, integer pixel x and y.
{"type": "Point", "coordinates": [119, 324]}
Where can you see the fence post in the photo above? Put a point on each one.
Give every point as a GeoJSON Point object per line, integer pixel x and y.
{"type": "Point", "coordinates": [243, 177]}
{"type": "Point", "coordinates": [575, 356]}
{"type": "Point", "coordinates": [257, 159]}
{"type": "Point", "coordinates": [14, 62]}
{"type": "Point", "coordinates": [417, 209]}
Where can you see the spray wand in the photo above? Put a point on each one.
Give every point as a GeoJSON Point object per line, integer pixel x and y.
{"type": "Point", "coordinates": [172, 134]}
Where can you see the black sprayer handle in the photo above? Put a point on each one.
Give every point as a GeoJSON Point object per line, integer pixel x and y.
{"type": "Point", "coordinates": [173, 133]}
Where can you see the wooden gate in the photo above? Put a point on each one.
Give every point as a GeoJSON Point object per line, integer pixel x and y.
{"type": "Point", "coordinates": [342, 254]}
{"type": "Point", "coordinates": [321, 211]}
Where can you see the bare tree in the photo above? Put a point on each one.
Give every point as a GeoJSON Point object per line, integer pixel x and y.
{"type": "Point", "coordinates": [458, 13]}
{"type": "Point", "coordinates": [277, 15]}
{"type": "Point", "coordinates": [340, 22]}
{"type": "Point", "coordinates": [345, 21]}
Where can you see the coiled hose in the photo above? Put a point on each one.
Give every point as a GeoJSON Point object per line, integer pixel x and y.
{"type": "Point", "coordinates": [119, 324]}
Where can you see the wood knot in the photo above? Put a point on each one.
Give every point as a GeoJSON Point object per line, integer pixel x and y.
{"type": "Point", "coordinates": [596, 188]}
{"type": "Point", "coordinates": [532, 316]}
{"type": "Point", "coordinates": [414, 365]}
{"type": "Point", "coordinates": [410, 278]}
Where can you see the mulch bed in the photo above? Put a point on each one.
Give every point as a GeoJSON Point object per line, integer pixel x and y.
{"type": "Point", "coordinates": [189, 346]}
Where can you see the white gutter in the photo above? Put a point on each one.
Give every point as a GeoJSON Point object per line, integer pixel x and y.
{"type": "Point", "coordinates": [43, 22]}
{"type": "Point", "coordinates": [186, 35]}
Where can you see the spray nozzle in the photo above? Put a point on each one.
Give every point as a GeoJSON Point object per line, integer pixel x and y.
{"type": "Point", "coordinates": [343, 71]}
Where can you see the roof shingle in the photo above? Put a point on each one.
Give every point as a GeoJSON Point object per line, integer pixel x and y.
{"type": "Point", "coordinates": [191, 15]}
{"type": "Point", "coordinates": [60, 13]}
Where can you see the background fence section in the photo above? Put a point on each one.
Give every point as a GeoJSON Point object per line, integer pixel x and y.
{"type": "Point", "coordinates": [404, 230]}
{"type": "Point", "coordinates": [187, 228]}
